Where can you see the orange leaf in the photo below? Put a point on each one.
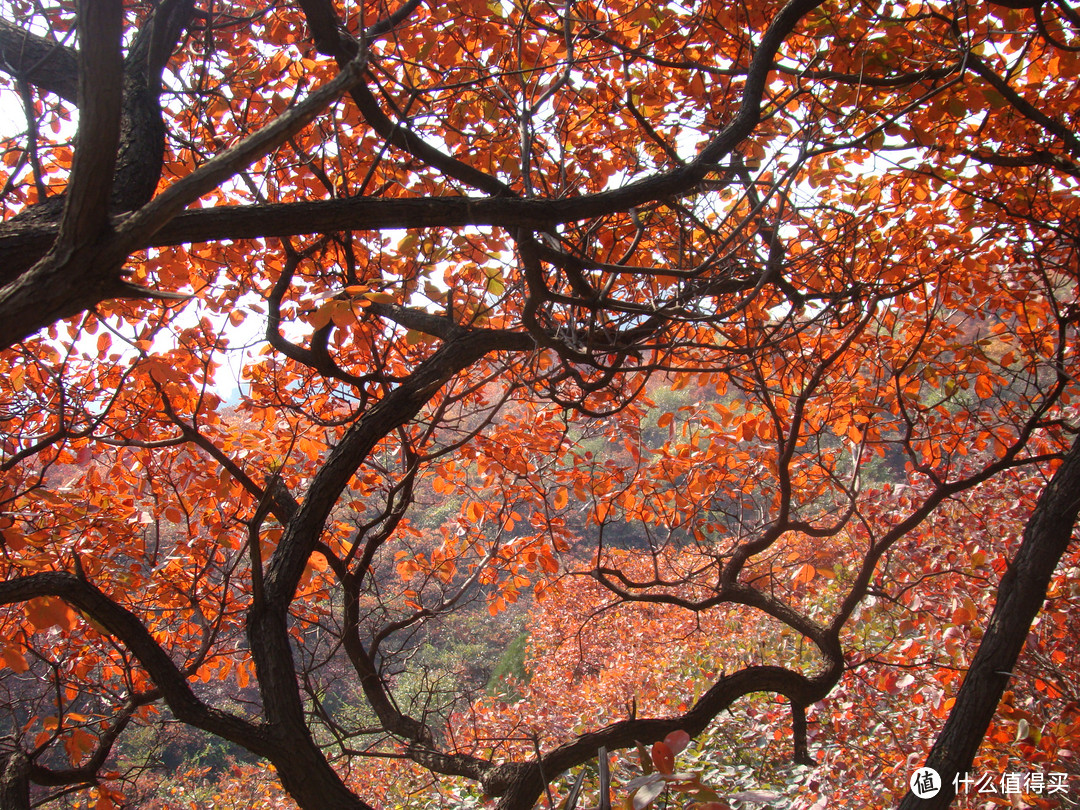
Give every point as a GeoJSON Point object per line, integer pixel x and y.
{"type": "Point", "coordinates": [805, 573]}
{"type": "Point", "coordinates": [342, 314]}
{"type": "Point", "coordinates": [104, 801]}
{"type": "Point", "coordinates": [322, 316]}
{"type": "Point", "coordinates": [50, 611]}
{"type": "Point", "coordinates": [14, 659]}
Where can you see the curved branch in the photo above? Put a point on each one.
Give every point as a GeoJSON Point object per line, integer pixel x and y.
{"type": "Point", "coordinates": [396, 409]}
{"type": "Point", "coordinates": [392, 21]}
{"type": "Point", "coordinates": [124, 625]}
{"type": "Point", "coordinates": [1024, 107]}
{"type": "Point", "coordinates": [267, 623]}
{"type": "Point", "coordinates": [141, 152]}
{"type": "Point", "coordinates": [521, 784]}
{"type": "Point", "coordinates": [44, 63]}
{"type": "Point", "coordinates": [332, 39]}
{"type": "Point", "coordinates": [79, 271]}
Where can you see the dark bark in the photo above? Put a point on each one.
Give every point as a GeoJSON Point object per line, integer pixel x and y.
{"type": "Point", "coordinates": [125, 626]}
{"type": "Point", "coordinates": [1025, 107]}
{"type": "Point", "coordinates": [300, 764]}
{"type": "Point", "coordinates": [520, 785]}
{"type": "Point", "coordinates": [801, 752]}
{"type": "Point", "coordinates": [14, 779]}
{"type": "Point", "coordinates": [330, 38]}
{"type": "Point", "coordinates": [53, 67]}
{"type": "Point", "coordinates": [78, 273]}
{"type": "Point", "coordinates": [121, 146]}
{"type": "Point", "coordinates": [1020, 597]}
{"type": "Point", "coordinates": [303, 769]}
{"type": "Point", "coordinates": [283, 737]}
{"type": "Point", "coordinates": [24, 243]}
{"type": "Point", "coordinates": [306, 774]}
{"type": "Point", "coordinates": [43, 63]}
{"type": "Point", "coordinates": [76, 269]}
{"type": "Point", "coordinates": [86, 206]}
{"type": "Point", "coordinates": [141, 152]}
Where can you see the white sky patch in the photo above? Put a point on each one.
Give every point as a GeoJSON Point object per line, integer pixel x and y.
{"type": "Point", "coordinates": [12, 118]}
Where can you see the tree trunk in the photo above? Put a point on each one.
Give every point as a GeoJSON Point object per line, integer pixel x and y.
{"type": "Point", "coordinates": [1020, 597]}
{"type": "Point", "coordinates": [14, 780]}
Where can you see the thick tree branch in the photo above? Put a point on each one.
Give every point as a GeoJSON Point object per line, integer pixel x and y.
{"type": "Point", "coordinates": [77, 272]}
{"type": "Point", "coordinates": [396, 409]}
{"type": "Point", "coordinates": [68, 280]}
{"type": "Point", "coordinates": [23, 242]}
{"type": "Point", "coordinates": [129, 629]}
{"type": "Point", "coordinates": [44, 63]}
{"type": "Point", "coordinates": [141, 151]}
{"type": "Point", "coordinates": [14, 778]}
{"type": "Point", "coordinates": [519, 785]}
{"type": "Point", "coordinates": [86, 205]}
{"type": "Point", "coordinates": [140, 226]}
{"type": "Point", "coordinates": [268, 626]}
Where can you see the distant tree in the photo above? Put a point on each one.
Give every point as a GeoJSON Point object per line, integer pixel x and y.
{"type": "Point", "coordinates": [275, 279]}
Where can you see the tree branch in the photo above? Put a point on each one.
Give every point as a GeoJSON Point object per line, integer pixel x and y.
{"type": "Point", "coordinates": [86, 207]}
{"type": "Point", "coordinates": [124, 625]}
{"type": "Point", "coordinates": [1021, 594]}
{"type": "Point", "coordinates": [67, 280]}
{"type": "Point", "coordinates": [520, 784]}
{"type": "Point", "coordinates": [44, 63]}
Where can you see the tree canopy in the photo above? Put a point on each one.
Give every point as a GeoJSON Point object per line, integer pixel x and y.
{"type": "Point", "coordinates": [326, 322]}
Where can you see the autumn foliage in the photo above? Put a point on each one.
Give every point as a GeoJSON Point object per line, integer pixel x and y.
{"type": "Point", "coordinates": [718, 359]}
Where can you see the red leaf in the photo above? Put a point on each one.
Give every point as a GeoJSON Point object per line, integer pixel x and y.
{"type": "Point", "coordinates": [663, 758]}
{"type": "Point", "coordinates": [677, 741]}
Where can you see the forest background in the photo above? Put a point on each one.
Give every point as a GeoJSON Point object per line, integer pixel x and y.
{"type": "Point", "coordinates": [539, 404]}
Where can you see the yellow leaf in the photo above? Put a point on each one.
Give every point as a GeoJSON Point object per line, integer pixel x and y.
{"type": "Point", "coordinates": [342, 314]}
{"type": "Point", "coordinates": [380, 297]}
